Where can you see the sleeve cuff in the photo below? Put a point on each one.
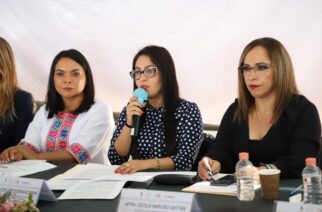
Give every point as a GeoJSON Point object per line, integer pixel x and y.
{"type": "Point", "coordinates": [180, 163]}
{"type": "Point", "coordinates": [30, 146]}
{"type": "Point", "coordinates": [79, 152]}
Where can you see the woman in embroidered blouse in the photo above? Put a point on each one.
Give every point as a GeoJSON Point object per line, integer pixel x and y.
{"type": "Point", "coordinates": [270, 119]}
{"type": "Point", "coordinates": [170, 135]}
{"type": "Point", "coordinates": [72, 126]}
{"type": "Point", "coordinates": [16, 105]}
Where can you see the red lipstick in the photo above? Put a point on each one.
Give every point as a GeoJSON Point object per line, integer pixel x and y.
{"type": "Point", "coordinates": [253, 86]}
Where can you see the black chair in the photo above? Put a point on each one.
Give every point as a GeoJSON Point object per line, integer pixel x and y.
{"type": "Point", "coordinates": [319, 156]}
{"type": "Point", "coordinates": [206, 142]}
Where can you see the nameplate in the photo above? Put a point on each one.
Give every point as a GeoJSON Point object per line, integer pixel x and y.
{"type": "Point", "coordinates": [156, 201]}
{"type": "Point", "coordinates": [280, 206]}
{"type": "Point", "coordinates": [21, 187]}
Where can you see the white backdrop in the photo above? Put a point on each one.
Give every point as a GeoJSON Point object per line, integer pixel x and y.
{"type": "Point", "coordinates": [204, 37]}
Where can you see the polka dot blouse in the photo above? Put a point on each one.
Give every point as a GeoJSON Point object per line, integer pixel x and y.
{"type": "Point", "coordinates": [151, 138]}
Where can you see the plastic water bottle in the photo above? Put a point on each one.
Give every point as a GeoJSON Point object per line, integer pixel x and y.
{"type": "Point", "coordinates": [245, 179]}
{"type": "Point", "coordinates": [312, 182]}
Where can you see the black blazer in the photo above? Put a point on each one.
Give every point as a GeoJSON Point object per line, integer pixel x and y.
{"type": "Point", "coordinates": [11, 132]}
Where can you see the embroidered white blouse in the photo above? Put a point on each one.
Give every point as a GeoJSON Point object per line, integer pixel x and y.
{"type": "Point", "coordinates": [85, 135]}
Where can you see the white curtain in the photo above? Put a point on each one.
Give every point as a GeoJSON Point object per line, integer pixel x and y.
{"type": "Point", "coordinates": [204, 37]}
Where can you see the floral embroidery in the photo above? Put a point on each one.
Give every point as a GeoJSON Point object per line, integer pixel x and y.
{"type": "Point", "coordinates": [30, 146]}
{"type": "Point", "coordinates": [79, 152]}
{"type": "Point", "coordinates": [57, 138]}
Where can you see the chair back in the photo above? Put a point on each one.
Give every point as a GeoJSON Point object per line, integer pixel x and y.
{"type": "Point", "coordinates": [205, 145]}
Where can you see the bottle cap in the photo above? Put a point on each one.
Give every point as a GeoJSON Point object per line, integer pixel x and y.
{"type": "Point", "coordinates": [243, 156]}
{"type": "Point", "coordinates": [310, 161]}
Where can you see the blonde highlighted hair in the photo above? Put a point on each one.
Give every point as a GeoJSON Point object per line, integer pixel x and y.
{"type": "Point", "coordinates": [8, 81]}
{"type": "Point", "coordinates": [284, 79]}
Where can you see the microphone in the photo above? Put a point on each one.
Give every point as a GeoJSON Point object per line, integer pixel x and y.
{"type": "Point", "coordinates": [142, 96]}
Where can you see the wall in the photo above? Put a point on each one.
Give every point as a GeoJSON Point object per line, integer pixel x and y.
{"type": "Point", "coordinates": [205, 38]}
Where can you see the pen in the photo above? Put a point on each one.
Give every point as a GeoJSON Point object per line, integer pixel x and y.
{"type": "Point", "coordinates": [210, 172]}
{"type": "Point", "coordinates": [295, 190]}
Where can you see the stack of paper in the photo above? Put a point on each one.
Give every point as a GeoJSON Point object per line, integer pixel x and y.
{"type": "Point", "coordinates": [207, 188]}
{"type": "Point", "coordinates": [96, 181]}
{"type": "Point", "coordinates": [93, 189]}
{"type": "Point", "coordinates": [24, 167]}
{"type": "Point", "coordinates": [103, 172]}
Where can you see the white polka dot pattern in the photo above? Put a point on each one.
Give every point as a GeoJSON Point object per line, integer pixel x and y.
{"type": "Point", "coordinates": [151, 138]}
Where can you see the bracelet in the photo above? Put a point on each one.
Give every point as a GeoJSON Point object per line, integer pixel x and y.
{"type": "Point", "coordinates": [158, 163]}
{"type": "Point", "coordinates": [129, 126]}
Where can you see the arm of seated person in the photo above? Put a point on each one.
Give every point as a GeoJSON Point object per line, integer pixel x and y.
{"type": "Point", "coordinates": [20, 152]}
{"type": "Point", "coordinates": [133, 166]}
{"type": "Point", "coordinates": [61, 156]}
{"type": "Point", "coordinates": [11, 154]}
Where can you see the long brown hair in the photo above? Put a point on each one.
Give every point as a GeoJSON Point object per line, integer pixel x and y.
{"type": "Point", "coordinates": [284, 79]}
{"type": "Point", "coordinates": [8, 81]}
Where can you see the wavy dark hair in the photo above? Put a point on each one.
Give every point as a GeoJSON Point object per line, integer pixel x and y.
{"type": "Point", "coordinates": [54, 101]}
{"type": "Point", "coordinates": [170, 89]}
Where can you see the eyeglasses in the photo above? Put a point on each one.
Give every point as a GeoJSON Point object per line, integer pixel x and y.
{"type": "Point", "coordinates": [148, 72]}
{"type": "Point", "coordinates": [259, 68]}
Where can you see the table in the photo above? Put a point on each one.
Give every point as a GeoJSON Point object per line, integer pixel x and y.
{"type": "Point", "coordinates": [207, 202]}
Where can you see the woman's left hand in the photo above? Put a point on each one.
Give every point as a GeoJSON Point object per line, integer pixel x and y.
{"type": "Point", "coordinates": [132, 166]}
{"type": "Point", "coordinates": [27, 152]}
{"type": "Point", "coordinates": [11, 154]}
{"type": "Point", "coordinates": [16, 153]}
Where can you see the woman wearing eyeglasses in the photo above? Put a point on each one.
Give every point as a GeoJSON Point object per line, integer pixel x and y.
{"type": "Point", "coordinates": [171, 133]}
{"type": "Point", "coordinates": [270, 119]}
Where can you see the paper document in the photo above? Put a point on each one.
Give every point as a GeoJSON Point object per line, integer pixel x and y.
{"type": "Point", "coordinates": [59, 183]}
{"type": "Point", "coordinates": [103, 172]}
{"type": "Point", "coordinates": [282, 206]}
{"type": "Point", "coordinates": [24, 167]}
{"type": "Point", "coordinates": [94, 189]}
{"type": "Point", "coordinates": [205, 187]}
{"type": "Point", "coordinates": [83, 173]}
